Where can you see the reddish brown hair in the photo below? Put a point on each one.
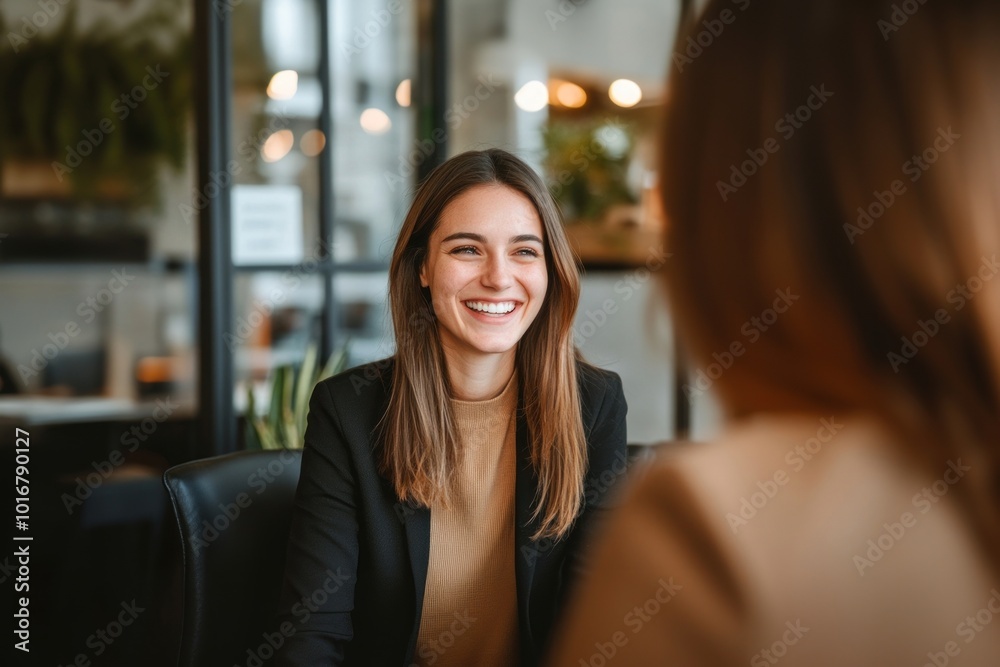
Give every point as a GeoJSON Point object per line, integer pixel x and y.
{"type": "Point", "coordinates": [797, 221]}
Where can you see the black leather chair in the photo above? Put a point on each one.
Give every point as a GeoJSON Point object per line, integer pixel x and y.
{"type": "Point", "coordinates": [233, 514]}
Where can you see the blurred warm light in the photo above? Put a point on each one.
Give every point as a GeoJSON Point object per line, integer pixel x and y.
{"type": "Point", "coordinates": [283, 85]}
{"type": "Point", "coordinates": [625, 93]}
{"type": "Point", "coordinates": [533, 96]}
{"type": "Point", "coordinates": [375, 121]}
{"type": "Point", "coordinates": [277, 145]}
{"type": "Point", "coordinates": [570, 95]}
{"type": "Point", "coordinates": [403, 93]}
{"type": "Point", "coordinates": [312, 143]}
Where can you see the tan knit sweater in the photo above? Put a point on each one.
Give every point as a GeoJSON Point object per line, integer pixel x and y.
{"type": "Point", "coordinates": [470, 598]}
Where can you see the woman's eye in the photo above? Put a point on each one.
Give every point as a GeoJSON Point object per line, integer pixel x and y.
{"type": "Point", "coordinates": [527, 252]}
{"type": "Point", "coordinates": [464, 250]}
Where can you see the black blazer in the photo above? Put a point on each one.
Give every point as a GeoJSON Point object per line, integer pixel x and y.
{"type": "Point", "coordinates": [357, 557]}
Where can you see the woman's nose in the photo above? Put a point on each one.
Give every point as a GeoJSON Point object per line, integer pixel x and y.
{"type": "Point", "coordinates": [497, 273]}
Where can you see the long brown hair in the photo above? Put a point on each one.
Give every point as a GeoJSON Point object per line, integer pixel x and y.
{"type": "Point", "coordinates": [874, 205]}
{"type": "Point", "coordinates": [419, 437]}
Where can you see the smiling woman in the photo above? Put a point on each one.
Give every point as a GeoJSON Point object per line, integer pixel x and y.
{"type": "Point", "coordinates": [451, 489]}
{"type": "Point", "coordinates": [487, 285]}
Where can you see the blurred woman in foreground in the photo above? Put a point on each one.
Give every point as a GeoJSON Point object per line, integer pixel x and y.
{"type": "Point", "coordinates": [830, 173]}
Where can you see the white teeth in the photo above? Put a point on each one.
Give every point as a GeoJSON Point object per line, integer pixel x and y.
{"type": "Point", "coordinates": [493, 308]}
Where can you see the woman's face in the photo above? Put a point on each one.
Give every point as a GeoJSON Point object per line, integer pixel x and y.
{"type": "Point", "coordinates": [485, 268]}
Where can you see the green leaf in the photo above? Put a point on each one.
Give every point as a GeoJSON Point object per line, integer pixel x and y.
{"type": "Point", "coordinates": [293, 437]}
{"type": "Point", "coordinates": [277, 390]}
{"type": "Point", "coordinates": [250, 417]}
{"type": "Point", "coordinates": [303, 387]}
{"type": "Point", "coordinates": [268, 439]}
{"type": "Point", "coordinates": [284, 425]}
{"type": "Point", "coordinates": [336, 362]}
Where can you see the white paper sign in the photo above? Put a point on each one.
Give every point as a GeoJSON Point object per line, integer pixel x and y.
{"type": "Point", "coordinates": [267, 224]}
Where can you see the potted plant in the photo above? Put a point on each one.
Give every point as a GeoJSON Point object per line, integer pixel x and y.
{"type": "Point", "coordinates": [586, 166]}
{"type": "Point", "coordinates": [283, 425]}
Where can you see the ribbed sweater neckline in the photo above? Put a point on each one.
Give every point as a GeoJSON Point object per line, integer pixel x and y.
{"type": "Point", "coordinates": [466, 411]}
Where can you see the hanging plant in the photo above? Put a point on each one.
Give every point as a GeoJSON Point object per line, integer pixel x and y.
{"type": "Point", "coordinates": [105, 108]}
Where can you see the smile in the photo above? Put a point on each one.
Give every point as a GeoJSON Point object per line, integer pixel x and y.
{"type": "Point", "coordinates": [500, 308]}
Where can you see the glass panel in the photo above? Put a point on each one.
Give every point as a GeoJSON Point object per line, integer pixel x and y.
{"type": "Point", "coordinates": [97, 244]}
{"type": "Point", "coordinates": [363, 316]}
{"type": "Point", "coordinates": [276, 106]}
{"type": "Point", "coordinates": [277, 319]}
{"type": "Point", "coordinates": [276, 101]}
{"type": "Point", "coordinates": [124, 332]}
{"type": "Point", "coordinates": [375, 153]}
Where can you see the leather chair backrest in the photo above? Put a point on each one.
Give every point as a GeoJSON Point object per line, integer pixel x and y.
{"type": "Point", "coordinates": [233, 514]}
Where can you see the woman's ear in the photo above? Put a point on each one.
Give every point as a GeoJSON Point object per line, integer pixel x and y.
{"type": "Point", "coordinates": [423, 274]}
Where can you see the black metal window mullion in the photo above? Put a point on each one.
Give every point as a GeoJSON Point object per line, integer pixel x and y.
{"type": "Point", "coordinates": [432, 79]}
{"type": "Point", "coordinates": [213, 89]}
{"type": "Point", "coordinates": [326, 174]}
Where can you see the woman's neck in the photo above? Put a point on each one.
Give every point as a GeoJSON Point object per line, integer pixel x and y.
{"type": "Point", "coordinates": [479, 378]}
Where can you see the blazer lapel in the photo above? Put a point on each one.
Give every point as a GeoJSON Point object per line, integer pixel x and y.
{"type": "Point", "coordinates": [417, 522]}
{"type": "Point", "coordinates": [526, 552]}
{"type": "Point", "coordinates": [417, 526]}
